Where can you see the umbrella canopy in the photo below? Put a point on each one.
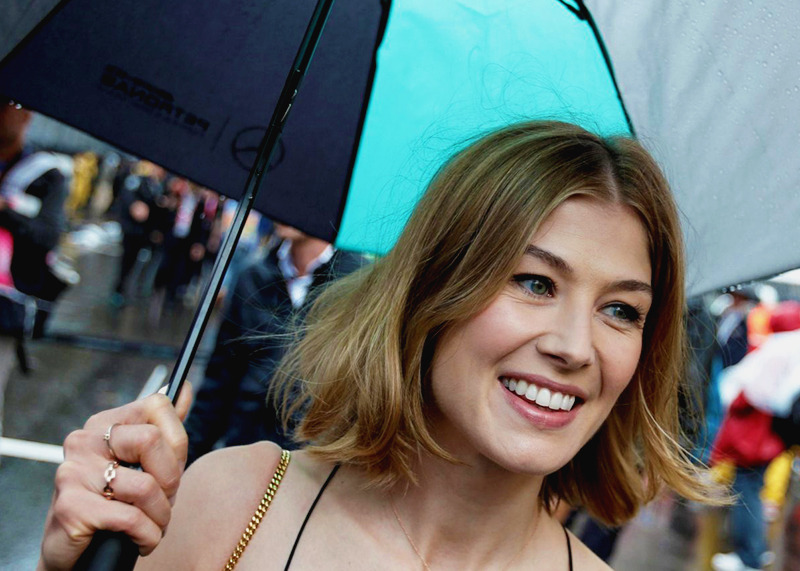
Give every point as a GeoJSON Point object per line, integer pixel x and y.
{"type": "Point", "coordinates": [191, 85]}
{"type": "Point", "coordinates": [710, 88]}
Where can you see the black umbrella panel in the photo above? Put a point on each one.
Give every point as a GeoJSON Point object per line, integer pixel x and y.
{"type": "Point", "coordinates": [189, 85]}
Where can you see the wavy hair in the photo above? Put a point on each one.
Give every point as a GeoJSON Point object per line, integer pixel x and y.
{"type": "Point", "coordinates": [357, 378]}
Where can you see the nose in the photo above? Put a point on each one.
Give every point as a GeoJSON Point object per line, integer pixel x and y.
{"type": "Point", "coordinates": [568, 341]}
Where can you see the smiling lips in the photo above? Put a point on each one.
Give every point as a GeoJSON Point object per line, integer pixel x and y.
{"type": "Point", "coordinates": [541, 396]}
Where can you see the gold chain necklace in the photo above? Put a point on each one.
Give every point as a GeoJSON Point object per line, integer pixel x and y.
{"type": "Point", "coordinates": [422, 559]}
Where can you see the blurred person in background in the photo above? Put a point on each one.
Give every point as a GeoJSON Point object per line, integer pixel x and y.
{"type": "Point", "coordinates": [256, 236]}
{"type": "Point", "coordinates": [82, 187]}
{"type": "Point", "coordinates": [185, 244]}
{"type": "Point", "coordinates": [747, 442]}
{"type": "Point", "coordinates": [231, 404]}
{"type": "Point", "coordinates": [135, 202]}
{"type": "Point", "coordinates": [33, 188]}
{"type": "Point", "coordinates": [161, 221]}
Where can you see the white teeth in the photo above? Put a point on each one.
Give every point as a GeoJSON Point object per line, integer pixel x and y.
{"type": "Point", "coordinates": [543, 397]}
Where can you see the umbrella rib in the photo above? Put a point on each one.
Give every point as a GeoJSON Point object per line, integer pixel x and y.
{"type": "Point", "coordinates": [583, 13]}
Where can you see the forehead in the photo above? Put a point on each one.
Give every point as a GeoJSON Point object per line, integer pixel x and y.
{"type": "Point", "coordinates": [602, 237]}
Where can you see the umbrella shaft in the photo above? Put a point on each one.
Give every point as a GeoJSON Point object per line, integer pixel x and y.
{"type": "Point", "coordinates": [265, 151]}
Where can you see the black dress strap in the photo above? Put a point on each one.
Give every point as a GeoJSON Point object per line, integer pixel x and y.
{"type": "Point", "coordinates": [569, 548]}
{"type": "Point", "coordinates": [308, 515]}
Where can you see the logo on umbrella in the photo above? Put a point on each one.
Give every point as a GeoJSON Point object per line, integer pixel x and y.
{"type": "Point", "coordinates": [245, 146]}
{"type": "Point", "coordinates": [153, 99]}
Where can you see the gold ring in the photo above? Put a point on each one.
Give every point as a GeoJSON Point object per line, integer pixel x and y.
{"type": "Point", "coordinates": [107, 439]}
{"type": "Point", "coordinates": [109, 475]}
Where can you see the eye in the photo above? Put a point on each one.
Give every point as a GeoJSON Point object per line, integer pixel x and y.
{"type": "Point", "coordinates": [536, 285]}
{"type": "Point", "coordinates": [624, 312]}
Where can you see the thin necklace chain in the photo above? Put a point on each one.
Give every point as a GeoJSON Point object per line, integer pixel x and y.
{"type": "Point", "coordinates": [422, 559]}
{"type": "Point", "coordinates": [408, 537]}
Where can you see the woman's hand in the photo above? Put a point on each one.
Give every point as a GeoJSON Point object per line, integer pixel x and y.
{"type": "Point", "coordinates": [147, 432]}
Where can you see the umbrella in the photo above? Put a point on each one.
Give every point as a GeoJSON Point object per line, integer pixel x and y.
{"type": "Point", "coordinates": [709, 87]}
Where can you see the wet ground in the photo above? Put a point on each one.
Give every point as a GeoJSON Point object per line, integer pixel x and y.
{"type": "Point", "coordinates": [98, 357]}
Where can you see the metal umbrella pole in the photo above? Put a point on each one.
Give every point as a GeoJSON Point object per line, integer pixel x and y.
{"type": "Point", "coordinates": [115, 550]}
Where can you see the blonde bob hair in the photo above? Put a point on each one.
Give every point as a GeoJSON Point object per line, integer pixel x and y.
{"type": "Point", "coordinates": [356, 380]}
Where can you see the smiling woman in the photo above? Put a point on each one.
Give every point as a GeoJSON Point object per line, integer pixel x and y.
{"type": "Point", "coordinates": [521, 345]}
{"type": "Point", "coordinates": [588, 226]}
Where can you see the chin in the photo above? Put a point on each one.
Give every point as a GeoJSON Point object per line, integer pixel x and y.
{"type": "Point", "coordinates": [532, 458]}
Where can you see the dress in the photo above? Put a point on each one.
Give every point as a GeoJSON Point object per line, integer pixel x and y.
{"type": "Point", "coordinates": [272, 489]}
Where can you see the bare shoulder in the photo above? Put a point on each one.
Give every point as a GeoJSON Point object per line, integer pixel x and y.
{"type": "Point", "coordinates": [216, 499]}
{"type": "Point", "coordinates": [213, 472]}
{"type": "Point", "coordinates": [584, 558]}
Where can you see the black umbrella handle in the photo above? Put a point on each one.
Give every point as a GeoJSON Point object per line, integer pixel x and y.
{"type": "Point", "coordinates": [109, 550]}
{"type": "Point", "coordinates": [114, 551]}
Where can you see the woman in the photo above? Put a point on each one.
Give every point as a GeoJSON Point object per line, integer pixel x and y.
{"type": "Point", "coordinates": [521, 345]}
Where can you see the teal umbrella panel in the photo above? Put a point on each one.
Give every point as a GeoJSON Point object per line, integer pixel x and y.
{"type": "Point", "coordinates": [450, 71]}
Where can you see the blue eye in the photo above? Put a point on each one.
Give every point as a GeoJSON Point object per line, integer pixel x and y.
{"type": "Point", "coordinates": [536, 285]}
{"type": "Point", "coordinates": [623, 312]}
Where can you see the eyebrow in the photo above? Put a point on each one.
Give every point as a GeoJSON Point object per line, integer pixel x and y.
{"type": "Point", "coordinates": [550, 259]}
{"type": "Point", "coordinates": [561, 264]}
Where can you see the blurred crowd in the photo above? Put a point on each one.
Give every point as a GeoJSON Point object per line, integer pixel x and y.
{"type": "Point", "coordinates": [163, 229]}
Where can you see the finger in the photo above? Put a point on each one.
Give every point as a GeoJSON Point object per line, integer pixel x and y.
{"type": "Point", "coordinates": [156, 410]}
{"type": "Point", "coordinates": [184, 400]}
{"type": "Point", "coordinates": [170, 421]}
{"type": "Point", "coordinates": [146, 445]}
{"type": "Point", "coordinates": [75, 527]}
{"type": "Point", "coordinates": [133, 487]}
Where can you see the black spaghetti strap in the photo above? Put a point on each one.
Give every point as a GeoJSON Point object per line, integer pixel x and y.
{"type": "Point", "coordinates": [308, 515]}
{"type": "Point", "coordinates": [569, 548]}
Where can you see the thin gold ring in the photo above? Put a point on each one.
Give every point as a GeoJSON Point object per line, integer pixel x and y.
{"type": "Point", "coordinates": [107, 440]}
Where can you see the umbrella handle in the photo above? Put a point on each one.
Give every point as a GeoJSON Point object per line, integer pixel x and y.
{"type": "Point", "coordinates": [109, 550]}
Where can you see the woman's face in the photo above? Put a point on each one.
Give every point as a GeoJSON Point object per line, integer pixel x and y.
{"type": "Point", "coordinates": [526, 383]}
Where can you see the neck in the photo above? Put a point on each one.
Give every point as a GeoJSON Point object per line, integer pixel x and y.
{"type": "Point", "coordinates": [448, 514]}
{"type": "Point", "coordinates": [305, 251]}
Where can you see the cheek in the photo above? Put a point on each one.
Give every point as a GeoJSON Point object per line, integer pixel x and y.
{"type": "Point", "coordinates": [620, 363]}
